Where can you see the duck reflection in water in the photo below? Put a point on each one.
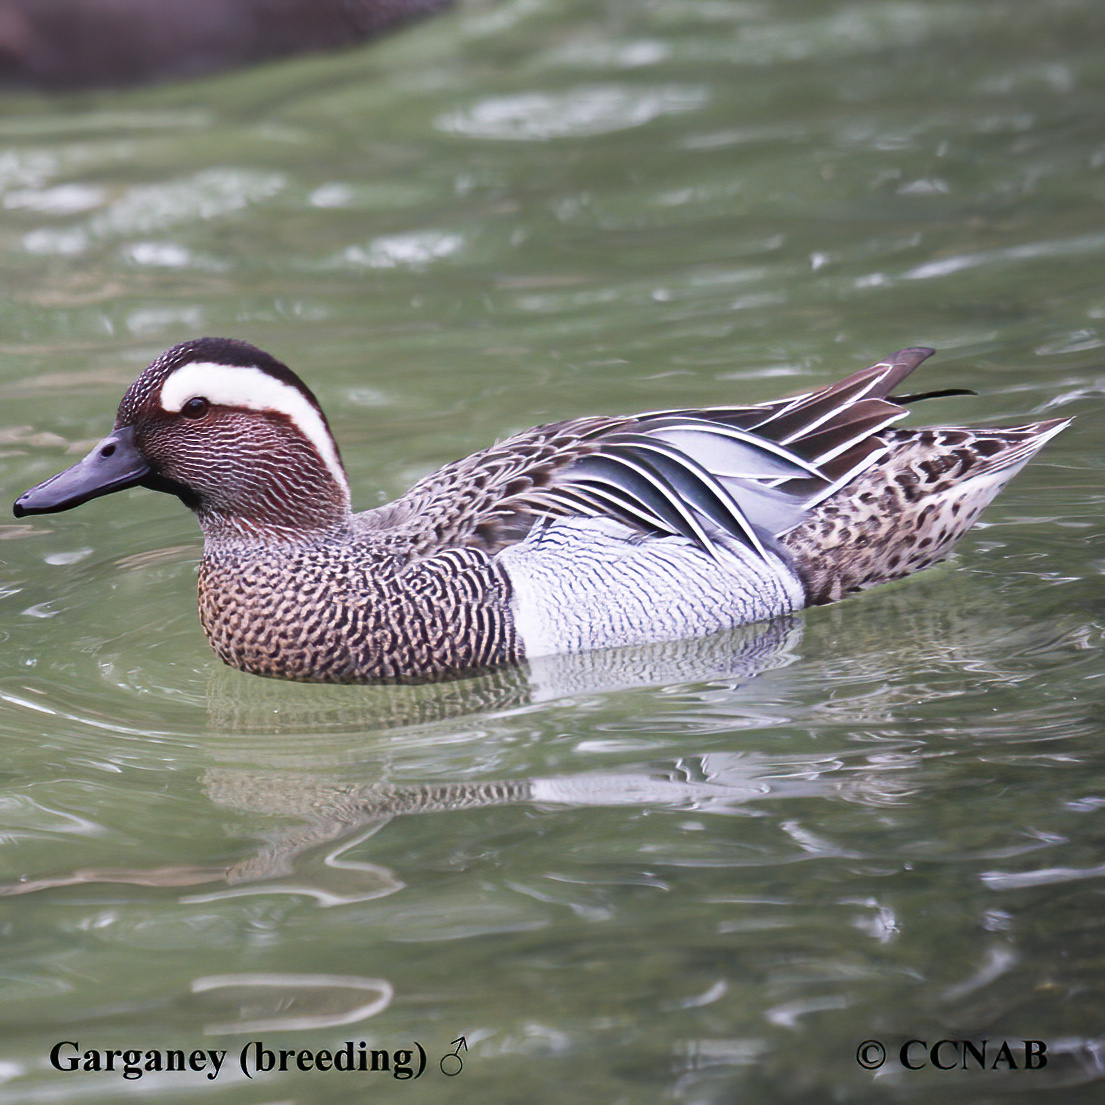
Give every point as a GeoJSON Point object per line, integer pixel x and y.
{"type": "Point", "coordinates": [294, 752]}
{"type": "Point", "coordinates": [331, 815]}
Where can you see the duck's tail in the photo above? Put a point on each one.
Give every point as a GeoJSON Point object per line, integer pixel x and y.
{"type": "Point", "coordinates": [906, 511]}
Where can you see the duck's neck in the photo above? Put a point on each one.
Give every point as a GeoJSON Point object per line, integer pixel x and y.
{"type": "Point", "coordinates": [292, 513]}
{"type": "Point", "coordinates": [222, 531]}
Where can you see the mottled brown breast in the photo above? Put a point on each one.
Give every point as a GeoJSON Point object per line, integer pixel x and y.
{"type": "Point", "coordinates": [329, 613]}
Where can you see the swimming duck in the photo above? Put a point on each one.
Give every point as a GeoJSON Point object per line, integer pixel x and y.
{"type": "Point", "coordinates": [582, 534]}
{"type": "Point", "coordinates": [74, 44]}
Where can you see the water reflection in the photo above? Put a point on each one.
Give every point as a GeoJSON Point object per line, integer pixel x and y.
{"type": "Point", "coordinates": [332, 815]}
{"type": "Point", "coordinates": [303, 860]}
{"type": "Point", "coordinates": [250, 705]}
{"type": "Point", "coordinates": [291, 1002]}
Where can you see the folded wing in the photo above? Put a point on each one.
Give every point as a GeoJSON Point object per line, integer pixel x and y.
{"type": "Point", "coordinates": [745, 474]}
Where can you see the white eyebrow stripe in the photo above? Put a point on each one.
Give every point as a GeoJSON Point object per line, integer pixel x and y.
{"type": "Point", "coordinates": [250, 387]}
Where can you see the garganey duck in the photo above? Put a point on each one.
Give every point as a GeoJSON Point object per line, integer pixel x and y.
{"type": "Point", "coordinates": [583, 534]}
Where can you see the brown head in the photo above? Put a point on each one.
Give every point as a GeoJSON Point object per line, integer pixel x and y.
{"type": "Point", "coordinates": [231, 431]}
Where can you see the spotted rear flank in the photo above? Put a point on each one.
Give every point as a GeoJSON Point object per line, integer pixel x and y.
{"type": "Point", "coordinates": [907, 512]}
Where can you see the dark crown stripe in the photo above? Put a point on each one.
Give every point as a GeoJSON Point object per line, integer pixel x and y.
{"type": "Point", "coordinates": [224, 351]}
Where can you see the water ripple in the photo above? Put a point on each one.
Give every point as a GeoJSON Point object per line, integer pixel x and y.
{"type": "Point", "coordinates": [297, 1002]}
{"type": "Point", "coordinates": [579, 112]}
{"type": "Point", "coordinates": [1046, 876]}
{"type": "Point", "coordinates": [1029, 251]}
{"type": "Point", "coordinates": [208, 194]}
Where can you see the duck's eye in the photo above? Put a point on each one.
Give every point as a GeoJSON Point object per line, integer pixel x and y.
{"type": "Point", "coordinates": [196, 407]}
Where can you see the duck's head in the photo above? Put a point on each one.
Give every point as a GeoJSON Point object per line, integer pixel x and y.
{"type": "Point", "coordinates": [230, 430]}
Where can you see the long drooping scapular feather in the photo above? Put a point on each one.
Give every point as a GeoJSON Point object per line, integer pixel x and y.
{"type": "Point", "coordinates": [732, 473]}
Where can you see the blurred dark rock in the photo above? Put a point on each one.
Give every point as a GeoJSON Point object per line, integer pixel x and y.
{"type": "Point", "coordinates": [72, 44]}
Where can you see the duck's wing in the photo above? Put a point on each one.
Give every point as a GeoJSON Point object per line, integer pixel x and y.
{"type": "Point", "coordinates": [713, 476]}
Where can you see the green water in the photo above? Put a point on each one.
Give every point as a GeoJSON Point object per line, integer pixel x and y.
{"type": "Point", "coordinates": [708, 873]}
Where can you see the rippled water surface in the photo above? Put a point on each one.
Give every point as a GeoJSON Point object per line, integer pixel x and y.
{"type": "Point", "coordinates": [697, 873]}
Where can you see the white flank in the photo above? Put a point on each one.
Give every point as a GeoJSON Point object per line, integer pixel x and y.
{"type": "Point", "coordinates": [586, 583]}
{"type": "Point", "coordinates": [236, 386]}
